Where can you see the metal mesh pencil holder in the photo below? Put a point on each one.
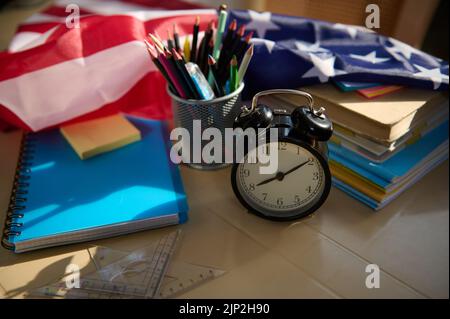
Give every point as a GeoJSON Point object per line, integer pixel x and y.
{"type": "Point", "coordinates": [218, 113]}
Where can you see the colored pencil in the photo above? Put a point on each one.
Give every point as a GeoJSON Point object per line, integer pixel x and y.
{"type": "Point", "coordinates": [156, 41]}
{"type": "Point", "coordinates": [245, 44]}
{"type": "Point", "coordinates": [213, 74]}
{"type": "Point", "coordinates": [176, 37]}
{"type": "Point", "coordinates": [171, 73]}
{"type": "Point", "coordinates": [154, 56]}
{"type": "Point", "coordinates": [220, 30]}
{"type": "Point", "coordinates": [180, 65]}
{"type": "Point", "coordinates": [204, 48]}
{"type": "Point", "coordinates": [233, 74]}
{"type": "Point", "coordinates": [230, 34]}
{"type": "Point", "coordinates": [194, 40]}
{"type": "Point", "coordinates": [187, 49]}
{"type": "Point", "coordinates": [170, 44]}
{"type": "Point", "coordinates": [244, 64]}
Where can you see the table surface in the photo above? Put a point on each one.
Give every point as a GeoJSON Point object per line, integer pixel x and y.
{"type": "Point", "coordinates": [323, 256]}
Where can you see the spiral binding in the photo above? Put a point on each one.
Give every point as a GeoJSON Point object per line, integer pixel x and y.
{"type": "Point", "coordinates": [19, 191]}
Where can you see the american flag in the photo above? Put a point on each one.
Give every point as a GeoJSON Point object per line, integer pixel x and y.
{"type": "Point", "coordinates": [291, 52]}
{"type": "Point", "coordinates": [52, 74]}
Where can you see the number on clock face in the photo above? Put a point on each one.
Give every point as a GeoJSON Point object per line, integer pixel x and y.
{"type": "Point", "coordinates": [296, 186]}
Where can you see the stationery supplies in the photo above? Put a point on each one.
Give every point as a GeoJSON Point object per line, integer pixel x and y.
{"type": "Point", "coordinates": [58, 199]}
{"type": "Point", "coordinates": [348, 86]}
{"type": "Point", "coordinates": [195, 39]}
{"type": "Point", "coordinates": [378, 91]}
{"type": "Point", "coordinates": [119, 275]}
{"type": "Point", "coordinates": [100, 135]}
{"type": "Point", "coordinates": [235, 43]}
{"type": "Point", "coordinates": [233, 74]}
{"type": "Point", "coordinates": [200, 82]}
{"type": "Point", "coordinates": [187, 49]}
{"type": "Point", "coordinates": [213, 73]}
{"type": "Point", "coordinates": [244, 64]}
{"type": "Point", "coordinates": [176, 38]}
{"type": "Point", "coordinates": [220, 30]}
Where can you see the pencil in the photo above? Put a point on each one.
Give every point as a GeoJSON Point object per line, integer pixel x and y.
{"type": "Point", "coordinates": [187, 49]}
{"type": "Point", "coordinates": [170, 44]}
{"type": "Point", "coordinates": [180, 65]}
{"type": "Point", "coordinates": [170, 55]}
{"type": "Point", "coordinates": [194, 40]}
{"type": "Point", "coordinates": [156, 41]}
{"type": "Point", "coordinates": [204, 48]}
{"type": "Point", "coordinates": [213, 74]}
{"type": "Point", "coordinates": [244, 46]}
{"type": "Point", "coordinates": [244, 65]}
{"type": "Point", "coordinates": [233, 74]}
{"type": "Point", "coordinates": [220, 30]}
{"type": "Point", "coordinates": [176, 37]}
{"type": "Point", "coordinates": [171, 73]}
{"type": "Point", "coordinates": [230, 34]}
{"type": "Point", "coordinates": [154, 56]}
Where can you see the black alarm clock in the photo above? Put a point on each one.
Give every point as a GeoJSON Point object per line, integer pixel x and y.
{"type": "Point", "coordinates": [302, 181]}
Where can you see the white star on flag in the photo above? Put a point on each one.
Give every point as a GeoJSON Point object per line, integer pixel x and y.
{"type": "Point", "coordinates": [268, 43]}
{"type": "Point", "coordinates": [433, 75]}
{"type": "Point", "coordinates": [403, 48]}
{"type": "Point", "coordinates": [371, 58]}
{"type": "Point", "coordinates": [261, 22]}
{"type": "Point", "coordinates": [322, 69]}
{"type": "Point", "coordinates": [307, 47]}
{"type": "Point", "coordinates": [352, 30]}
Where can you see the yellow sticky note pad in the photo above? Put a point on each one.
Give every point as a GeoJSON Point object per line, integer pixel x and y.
{"type": "Point", "coordinates": [101, 135]}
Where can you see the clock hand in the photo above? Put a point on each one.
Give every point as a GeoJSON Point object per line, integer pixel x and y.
{"type": "Point", "coordinates": [295, 168]}
{"type": "Point", "coordinates": [280, 175]}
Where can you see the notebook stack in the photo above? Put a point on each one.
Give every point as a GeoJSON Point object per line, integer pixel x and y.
{"type": "Point", "coordinates": [383, 143]}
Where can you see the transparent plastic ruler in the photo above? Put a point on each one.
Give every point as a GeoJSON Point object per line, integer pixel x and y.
{"type": "Point", "coordinates": [182, 277]}
{"type": "Point", "coordinates": [138, 274]}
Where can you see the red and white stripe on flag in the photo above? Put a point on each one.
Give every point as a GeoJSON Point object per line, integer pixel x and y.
{"type": "Point", "coordinates": [52, 74]}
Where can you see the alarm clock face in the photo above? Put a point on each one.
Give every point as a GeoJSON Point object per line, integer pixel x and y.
{"type": "Point", "coordinates": [300, 185]}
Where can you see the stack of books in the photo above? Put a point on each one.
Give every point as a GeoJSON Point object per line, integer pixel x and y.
{"type": "Point", "coordinates": [383, 145]}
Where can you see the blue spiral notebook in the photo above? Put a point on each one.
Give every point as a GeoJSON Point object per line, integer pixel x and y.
{"type": "Point", "coordinates": [59, 199]}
